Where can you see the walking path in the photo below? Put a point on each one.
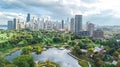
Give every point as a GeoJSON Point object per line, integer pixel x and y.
{"type": "Point", "coordinates": [89, 65]}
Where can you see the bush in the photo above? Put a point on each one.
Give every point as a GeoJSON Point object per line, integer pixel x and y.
{"type": "Point", "coordinates": [24, 61]}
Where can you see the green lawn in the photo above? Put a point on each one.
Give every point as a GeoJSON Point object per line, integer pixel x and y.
{"type": "Point", "coordinates": [83, 64]}
{"type": "Point", "coordinates": [85, 59]}
{"type": "Point", "coordinates": [42, 64]}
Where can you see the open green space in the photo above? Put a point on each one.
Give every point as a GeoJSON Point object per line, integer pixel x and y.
{"type": "Point", "coordinates": [34, 41]}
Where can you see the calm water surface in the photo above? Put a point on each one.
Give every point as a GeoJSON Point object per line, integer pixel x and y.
{"type": "Point", "coordinates": [59, 56]}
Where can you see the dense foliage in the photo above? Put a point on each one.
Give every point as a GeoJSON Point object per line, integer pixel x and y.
{"type": "Point", "coordinates": [34, 41]}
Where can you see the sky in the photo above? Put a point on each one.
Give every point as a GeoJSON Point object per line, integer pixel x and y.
{"type": "Point", "coordinates": [99, 12]}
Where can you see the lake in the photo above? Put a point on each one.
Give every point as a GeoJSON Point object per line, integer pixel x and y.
{"type": "Point", "coordinates": [54, 54]}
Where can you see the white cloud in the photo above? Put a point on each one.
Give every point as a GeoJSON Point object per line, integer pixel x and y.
{"type": "Point", "coordinates": [61, 8]}
{"type": "Point", "coordinates": [5, 16]}
{"type": "Point", "coordinates": [112, 5]}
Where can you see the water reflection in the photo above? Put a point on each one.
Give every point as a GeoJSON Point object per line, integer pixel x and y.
{"type": "Point", "coordinates": [13, 55]}
{"type": "Point", "coordinates": [59, 56]}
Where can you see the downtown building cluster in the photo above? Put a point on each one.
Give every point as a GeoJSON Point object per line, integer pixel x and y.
{"type": "Point", "coordinates": [37, 24]}
{"type": "Point", "coordinates": [75, 26]}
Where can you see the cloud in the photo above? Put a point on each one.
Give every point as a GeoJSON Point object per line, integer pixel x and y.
{"type": "Point", "coordinates": [5, 16]}
{"type": "Point", "coordinates": [63, 8]}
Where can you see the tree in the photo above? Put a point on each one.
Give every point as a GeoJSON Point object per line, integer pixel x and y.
{"type": "Point", "coordinates": [116, 53]}
{"type": "Point", "coordinates": [108, 65]}
{"type": "Point", "coordinates": [81, 45]}
{"type": "Point", "coordinates": [24, 61]}
{"type": "Point", "coordinates": [118, 63]}
{"type": "Point", "coordinates": [3, 62]}
{"type": "Point", "coordinates": [23, 43]}
{"type": "Point", "coordinates": [98, 62]}
{"type": "Point", "coordinates": [110, 52]}
{"type": "Point", "coordinates": [72, 43]}
{"type": "Point", "coordinates": [77, 50]}
{"type": "Point", "coordinates": [26, 50]}
{"type": "Point", "coordinates": [37, 49]}
{"type": "Point", "coordinates": [91, 50]}
{"type": "Point", "coordinates": [48, 63]}
{"type": "Point", "coordinates": [56, 40]}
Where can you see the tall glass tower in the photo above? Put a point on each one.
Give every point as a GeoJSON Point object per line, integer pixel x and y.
{"type": "Point", "coordinates": [28, 18]}
{"type": "Point", "coordinates": [78, 23]}
{"type": "Point", "coordinates": [62, 24]}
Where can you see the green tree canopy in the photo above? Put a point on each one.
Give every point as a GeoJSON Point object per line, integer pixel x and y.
{"type": "Point", "coordinates": [24, 61]}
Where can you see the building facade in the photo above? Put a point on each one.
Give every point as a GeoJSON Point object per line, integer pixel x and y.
{"type": "Point", "coordinates": [98, 34]}
{"type": "Point", "coordinates": [84, 33]}
{"type": "Point", "coordinates": [72, 25]}
{"type": "Point", "coordinates": [28, 18]}
{"type": "Point", "coordinates": [78, 23]}
{"type": "Point", "coordinates": [10, 25]}
{"type": "Point", "coordinates": [90, 28]}
{"type": "Point", "coordinates": [62, 24]}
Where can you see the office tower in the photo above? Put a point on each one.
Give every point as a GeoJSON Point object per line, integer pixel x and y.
{"type": "Point", "coordinates": [62, 24]}
{"type": "Point", "coordinates": [10, 25]}
{"type": "Point", "coordinates": [18, 25]}
{"type": "Point", "coordinates": [40, 24]}
{"type": "Point", "coordinates": [90, 28]}
{"type": "Point", "coordinates": [28, 18]}
{"type": "Point", "coordinates": [14, 23]}
{"type": "Point", "coordinates": [78, 23]}
{"type": "Point", "coordinates": [72, 25]}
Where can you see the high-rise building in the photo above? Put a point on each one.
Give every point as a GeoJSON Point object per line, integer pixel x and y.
{"type": "Point", "coordinates": [72, 25]}
{"type": "Point", "coordinates": [10, 25]}
{"type": "Point", "coordinates": [14, 23]}
{"type": "Point", "coordinates": [90, 28]}
{"type": "Point", "coordinates": [78, 23]}
{"type": "Point", "coordinates": [28, 18]}
{"type": "Point", "coordinates": [62, 24]}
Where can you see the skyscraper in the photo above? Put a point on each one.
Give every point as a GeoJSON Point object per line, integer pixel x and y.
{"type": "Point", "coordinates": [28, 18]}
{"type": "Point", "coordinates": [62, 24]}
{"type": "Point", "coordinates": [14, 23]}
{"type": "Point", "coordinates": [78, 23]}
{"type": "Point", "coordinates": [10, 25]}
{"type": "Point", "coordinates": [72, 25]}
{"type": "Point", "coordinates": [90, 28]}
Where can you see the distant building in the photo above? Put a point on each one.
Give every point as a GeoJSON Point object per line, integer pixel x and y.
{"type": "Point", "coordinates": [90, 28]}
{"type": "Point", "coordinates": [10, 25]}
{"type": "Point", "coordinates": [62, 24]}
{"type": "Point", "coordinates": [84, 33]}
{"type": "Point", "coordinates": [72, 25]}
{"type": "Point", "coordinates": [28, 18]}
{"type": "Point", "coordinates": [98, 34]}
{"type": "Point", "coordinates": [48, 25]}
{"type": "Point", "coordinates": [14, 23]}
{"type": "Point", "coordinates": [78, 23]}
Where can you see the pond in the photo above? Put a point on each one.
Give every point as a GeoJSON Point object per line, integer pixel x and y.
{"type": "Point", "coordinates": [54, 54]}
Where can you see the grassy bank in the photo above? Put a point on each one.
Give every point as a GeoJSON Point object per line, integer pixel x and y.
{"type": "Point", "coordinates": [85, 59]}
{"type": "Point", "coordinates": [5, 52]}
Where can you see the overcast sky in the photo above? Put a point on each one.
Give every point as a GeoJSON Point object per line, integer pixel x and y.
{"type": "Point", "coordinates": [100, 12]}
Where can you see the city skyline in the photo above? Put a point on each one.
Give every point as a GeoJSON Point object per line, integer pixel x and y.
{"type": "Point", "coordinates": [99, 12]}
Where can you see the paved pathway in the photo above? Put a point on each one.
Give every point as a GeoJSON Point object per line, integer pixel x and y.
{"type": "Point", "coordinates": [89, 65]}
